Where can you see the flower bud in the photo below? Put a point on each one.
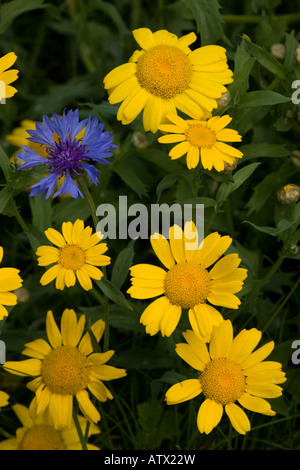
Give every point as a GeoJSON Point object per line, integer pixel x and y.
{"type": "Point", "coordinates": [139, 140]}
{"type": "Point", "coordinates": [229, 167]}
{"type": "Point", "coordinates": [288, 194]}
{"type": "Point", "coordinates": [224, 100]}
{"type": "Point", "coordinates": [296, 158]}
{"type": "Point", "coordinates": [294, 249]}
{"type": "Point", "coordinates": [297, 54]}
{"type": "Point", "coordinates": [278, 50]}
{"type": "Point", "coordinates": [22, 295]}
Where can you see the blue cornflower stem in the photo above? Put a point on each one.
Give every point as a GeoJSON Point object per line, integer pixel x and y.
{"type": "Point", "coordinates": [88, 197]}
{"type": "Point", "coordinates": [82, 439]}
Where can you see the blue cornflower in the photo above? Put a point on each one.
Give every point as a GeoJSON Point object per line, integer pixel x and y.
{"type": "Point", "coordinates": [71, 148]}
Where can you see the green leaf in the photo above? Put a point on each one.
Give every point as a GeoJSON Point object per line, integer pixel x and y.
{"type": "Point", "coordinates": [5, 164]}
{"type": "Point", "coordinates": [281, 227]}
{"type": "Point", "coordinates": [167, 182]}
{"type": "Point", "coordinates": [15, 8]}
{"type": "Point", "coordinates": [252, 151]}
{"type": "Point", "coordinates": [113, 293]}
{"type": "Point", "coordinates": [132, 180]}
{"type": "Point", "coordinates": [5, 196]}
{"type": "Point", "coordinates": [122, 264]}
{"type": "Point", "coordinates": [208, 19]}
{"type": "Point", "coordinates": [41, 210]}
{"type": "Point", "coordinates": [262, 98]}
{"type": "Point", "coordinates": [266, 59]}
{"type": "Point", "coordinates": [238, 179]}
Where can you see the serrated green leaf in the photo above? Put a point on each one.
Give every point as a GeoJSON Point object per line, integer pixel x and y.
{"type": "Point", "coordinates": [208, 19]}
{"type": "Point", "coordinates": [266, 59]}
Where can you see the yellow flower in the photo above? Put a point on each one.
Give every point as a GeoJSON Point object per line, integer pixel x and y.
{"type": "Point", "coordinates": [230, 372]}
{"type": "Point", "coordinates": [9, 281]}
{"type": "Point", "coordinates": [165, 76]}
{"type": "Point", "coordinates": [187, 283]}
{"type": "Point", "coordinates": [40, 434]}
{"type": "Point", "coordinates": [76, 252]}
{"type": "Point", "coordinates": [3, 399]}
{"type": "Point", "coordinates": [65, 368]}
{"type": "Point", "coordinates": [201, 139]}
{"type": "Point", "coordinates": [7, 76]}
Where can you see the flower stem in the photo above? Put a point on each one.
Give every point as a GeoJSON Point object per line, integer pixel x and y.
{"type": "Point", "coordinates": [79, 430]}
{"type": "Point", "coordinates": [87, 196]}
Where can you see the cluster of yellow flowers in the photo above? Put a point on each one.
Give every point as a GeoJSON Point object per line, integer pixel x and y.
{"type": "Point", "coordinates": [161, 78]}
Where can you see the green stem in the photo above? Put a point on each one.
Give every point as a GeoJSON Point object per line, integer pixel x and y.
{"type": "Point", "coordinates": [87, 196]}
{"type": "Point", "coordinates": [79, 430]}
{"type": "Point", "coordinates": [254, 19]}
{"type": "Point", "coordinates": [281, 305]}
{"type": "Point", "coordinates": [268, 276]}
{"type": "Point", "coordinates": [19, 218]}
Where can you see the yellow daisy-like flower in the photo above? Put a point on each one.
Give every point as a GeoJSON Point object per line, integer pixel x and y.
{"type": "Point", "coordinates": [201, 139]}
{"type": "Point", "coordinates": [9, 281]}
{"type": "Point", "coordinates": [230, 372]}
{"type": "Point", "coordinates": [167, 75]}
{"type": "Point", "coordinates": [187, 284]}
{"type": "Point", "coordinates": [76, 253]}
{"type": "Point", "coordinates": [40, 434]}
{"type": "Point", "coordinates": [66, 368]}
{"type": "Point", "coordinates": [4, 397]}
{"type": "Point", "coordinates": [7, 76]}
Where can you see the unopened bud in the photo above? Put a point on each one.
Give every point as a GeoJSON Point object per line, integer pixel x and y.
{"type": "Point", "coordinates": [18, 161]}
{"type": "Point", "coordinates": [22, 294]}
{"type": "Point", "coordinates": [288, 194]}
{"type": "Point", "coordinates": [296, 158]}
{"type": "Point", "coordinates": [294, 249]}
{"type": "Point", "coordinates": [278, 50]}
{"type": "Point", "coordinates": [139, 140]}
{"type": "Point", "coordinates": [297, 54]}
{"type": "Point", "coordinates": [229, 167]}
{"type": "Point", "coordinates": [224, 100]}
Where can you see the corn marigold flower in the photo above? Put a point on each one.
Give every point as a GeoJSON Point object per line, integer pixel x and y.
{"type": "Point", "coordinates": [7, 76]}
{"type": "Point", "coordinates": [76, 254]}
{"type": "Point", "coordinates": [201, 139]}
{"type": "Point", "coordinates": [187, 284]}
{"type": "Point", "coordinates": [69, 149]}
{"type": "Point", "coordinates": [65, 368]}
{"type": "Point", "coordinates": [9, 281]}
{"type": "Point", "coordinates": [40, 434]}
{"type": "Point", "coordinates": [230, 371]}
{"type": "Point", "coordinates": [166, 75]}
{"type": "Point", "coordinates": [4, 397]}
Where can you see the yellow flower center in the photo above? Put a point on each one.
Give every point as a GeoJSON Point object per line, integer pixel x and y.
{"type": "Point", "coordinates": [65, 371]}
{"type": "Point", "coordinates": [71, 257]}
{"type": "Point", "coordinates": [164, 71]}
{"type": "Point", "coordinates": [187, 284]}
{"type": "Point", "coordinates": [222, 381]}
{"type": "Point", "coordinates": [42, 437]}
{"type": "Point", "coordinates": [200, 136]}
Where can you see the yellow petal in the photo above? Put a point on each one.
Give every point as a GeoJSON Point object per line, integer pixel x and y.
{"type": "Point", "coordinates": [238, 418]}
{"type": "Point", "coordinates": [221, 340]}
{"type": "Point", "coordinates": [53, 332]}
{"type": "Point", "coordinates": [183, 391]}
{"type": "Point", "coordinates": [209, 416]}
